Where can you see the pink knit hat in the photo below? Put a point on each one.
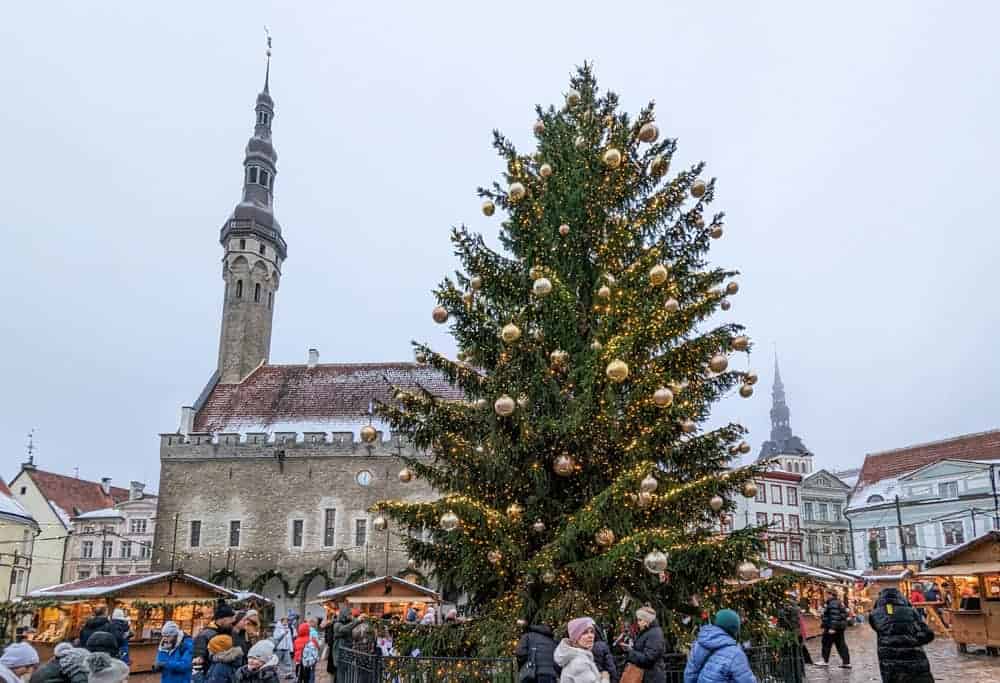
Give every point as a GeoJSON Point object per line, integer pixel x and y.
{"type": "Point", "coordinates": [578, 627]}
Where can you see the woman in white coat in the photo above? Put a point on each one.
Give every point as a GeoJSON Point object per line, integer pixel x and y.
{"type": "Point", "coordinates": [574, 656]}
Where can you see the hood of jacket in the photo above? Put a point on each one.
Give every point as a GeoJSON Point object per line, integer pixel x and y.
{"type": "Point", "coordinates": [540, 629]}
{"type": "Point", "coordinates": [303, 630]}
{"type": "Point", "coordinates": [97, 622]}
{"type": "Point", "coordinates": [712, 638]}
{"type": "Point", "coordinates": [891, 596]}
{"type": "Point", "coordinates": [106, 669]}
{"type": "Point", "coordinates": [229, 656]}
{"type": "Point", "coordinates": [565, 654]}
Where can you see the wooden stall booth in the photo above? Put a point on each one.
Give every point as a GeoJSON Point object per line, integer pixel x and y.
{"type": "Point", "coordinates": [969, 579]}
{"type": "Point", "coordinates": [811, 586]}
{"type": "Point", "coordinates": [149, 600]}
{"type": "Point", "coordinates": [386, 595]}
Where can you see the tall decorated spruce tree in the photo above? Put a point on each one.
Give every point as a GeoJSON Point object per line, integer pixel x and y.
{"type": "Point", "coordinates": [576, 477]}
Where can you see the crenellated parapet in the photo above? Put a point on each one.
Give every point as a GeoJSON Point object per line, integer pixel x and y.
{"type": "Point", "coordinates": [291, 444]}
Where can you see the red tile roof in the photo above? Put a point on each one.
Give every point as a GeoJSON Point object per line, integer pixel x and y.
{"type": "Point", "coordinates": [4, 489]}
{"type": "Point", "coordinates": [72, 494]}
{"type": "Point", "coordinates": [324, 397]}
{"type": "Point", "coordinates": [894, 463]}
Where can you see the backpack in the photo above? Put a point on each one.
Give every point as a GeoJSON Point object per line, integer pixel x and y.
{"type": "Point", "coordinates": [310, 654]}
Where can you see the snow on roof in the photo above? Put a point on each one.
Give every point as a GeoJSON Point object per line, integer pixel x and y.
{"type": "Point", "coordinates": [860, 573]}
{"type": "Point", "coordinates": [333, 593]}
{"type": "Point", "coordinates": [821, 573]}
{"type": "Point", "coordinates": [945, 555]}
{"type": "Point", "coordinates": [11, 508]}
{"type": "Point", "coordinates": [106, 513]}
{"type": "Point", "coordinates": [886, 488]}
{"type": "Point", "coordinates": [98, 586]}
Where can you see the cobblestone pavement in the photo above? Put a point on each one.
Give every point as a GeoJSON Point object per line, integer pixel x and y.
{"type": "Point", "coordinates": [946, 664]}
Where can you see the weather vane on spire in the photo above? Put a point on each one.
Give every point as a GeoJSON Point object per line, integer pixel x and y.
{"type": "Point", "coordinates": [267, 73]}
{"type": "Point", "coordinates": [31, 447]}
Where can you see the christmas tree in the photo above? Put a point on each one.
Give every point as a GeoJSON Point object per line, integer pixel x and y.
{"type": "Point", "coordinates": [576, 477]}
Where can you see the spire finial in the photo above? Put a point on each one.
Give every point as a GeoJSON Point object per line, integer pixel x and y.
{"type": "Point", "coordinates": [267, 72]}
{"type": "Point", "coordinates": [31, 447]}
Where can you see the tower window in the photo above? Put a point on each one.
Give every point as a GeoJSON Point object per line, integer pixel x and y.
{"type": "Point", "coordinates": [270, 299]}
{"type": "Point", "coordinates": [256, 293]}
{"type": "Point", "coordinates": [252, 174]}
{"type": "Point", "coordinates": [243, 244]}
{"type": "Point", "coordinates": [263, 250]}
{"type": "Point", "coordinates": [265, 178]}
{"type": "Point", "coordinates": [239, 289]}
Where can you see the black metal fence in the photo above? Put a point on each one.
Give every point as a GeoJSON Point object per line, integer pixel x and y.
{"type": "Point", "coordinates": [769, 665]}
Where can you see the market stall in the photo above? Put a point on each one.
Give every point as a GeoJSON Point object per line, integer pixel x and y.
{"type": "Point", "coordinates": [149, 600]}
{"type": "Point", "coordinates": [811, 587]}
{"type": "Point", "coordinates": [386, 595]}
{"type": "Point", "coordinates": [969, 577]}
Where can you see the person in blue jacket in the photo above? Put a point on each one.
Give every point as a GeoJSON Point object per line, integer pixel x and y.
{"type": "Point", "coordinates": [716, 656]}
{"type": "Point", "coordinates": [174, 655]}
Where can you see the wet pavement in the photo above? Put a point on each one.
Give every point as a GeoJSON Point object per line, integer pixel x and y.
{"type": "Point", "coordinates": [946, 664]}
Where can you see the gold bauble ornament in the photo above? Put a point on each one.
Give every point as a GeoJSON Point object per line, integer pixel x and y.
{"type": "Point", "coordinates": [747, 571]}
{"type": "Point", "coordinates": [743, 447]}
{"type": "Point", "coordinates": [558, 357]}
{"type": "Point", "coordinates": [563, 229]}
{"type": "Point", "coordinates": [663, 397]}
{"type": "Point", "coordinates": [648, 483]}
{"type": "Point", "coordinates": [523, 401]}
{"type": "Point", "coordinates": [449, 521]}
{"type": "Point", "coordinates": [672, 305]}
{"type": "Point", "coordinates": [488, 208]}
{"type": "Point", "coordinates": [494, 556]}
{"type": "Point", "coordinates": [538, 526]}
{"type": "Point", "coordinates": [542, 286]}
{"type": "Point", "coordinates": [612, 158]}
{"type": "Point", "coordinates": [605, 537]}
{"type": "Point", "coordinates": [476, 282]}
{"type": "Point", "coordinates": [658, 274]}
{"type": "Point", "coordinates": [741, 343]}
{"type": "Point", "coordinates": [539, 127]}
{"type": "Point", "coordinates": [480, 403]}
{"type": "Point", "coordinates": [688, 426]}
{"type": "Point", "coordinates": [580, 142]}
{"type": "Point", "coordinates": [732, 288]}
{"type": "Point", "coordinates": [699, 222]}
{"type": "Point", "coordinates": [715, 232]}
{"type": "Point", "coordinates": [659, 165]}
{"type": "Point", "coordinates": [698, 189]}
{"type": "Point", "coordinates": [572, 98]}
{"type": "Point", "coordinates": [545, 170]}
{"type": "Point", "coordinates": [380, 523]}
{"type": "Point", "coordinates": [750, 490]}
{"type": "Point", "coordinates": [649, 132]}
{"type": "Point", "coordinates": [750, 378]}
{"type": "Point", "coordinates": [746, 391]}
{"type": "Point", "coordinates": [440, 315]}
{"type": "Point", "coordinates": [504, 406]}
{"type": "Point", "coordinates": [718, 363]}
{"type": "Point", "coordinates": [716, 503]}
{"type": "Point", "coordinates": [517, 191]}
{"type": "Point", "coordinates": [514, 511]}
{"type": "Point", "coordinates": [510, 333]}
{"type": "Point", "coordinates": [369, 434]}
{"type": "Point", "coordinates": [596, 345]}
{"type": "Point", "coordinates": [405, 475]}
{"type": "Point", "coordinates": [617, 371]}
{"type": "Point", "coordinates": [604, 292]}
{"type": "Point", "coordinates": [655, 562]}
{"type": "Point", "coordinates": [536, 272]}
{"type": "Point", "coordinates": [549, 576]}
{"type": "Point", "coordinates": [644, 499]}
{"type": "Point", "coordinates": [421, 358]}
{"type": "Point", "coordinates": [725, 305]}
{"type": "Point", "coordinates": [564, 465]}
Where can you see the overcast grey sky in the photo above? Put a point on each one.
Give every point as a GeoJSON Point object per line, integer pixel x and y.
{"type": "Point", "coordinates": [855, 143]}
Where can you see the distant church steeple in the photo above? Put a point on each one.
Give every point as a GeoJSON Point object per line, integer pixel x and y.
{"type": "Point", "coordinates": [254, 252]}
{"type": "Point", "coordinates": [783, 445]}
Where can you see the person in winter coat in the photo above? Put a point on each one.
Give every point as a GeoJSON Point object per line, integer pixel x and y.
{"type": "Point", "coordinates": [932, 594]}
{"type": "Point", "coordinates": [716, 656]}
{"type": "Point", "coordinates": [649, 647]}
{"type": "Point", "coordinates": [174, 655]}
{"type": "Point", "coordinates": [227, 658]}
{"type": "Point", "coordinates": [120, 628]}
{"type": "Point", "coordinates": [261, 666]}
{"type": "Point", "coordinates": [429, 617]}
{"type": "Point", "coordinates": [901, 637]}
{"type": "Point", "coordinates": [282, 638]}
{"type": "Point", "coordinates": [222, 623]}
{"type": "Point", "coordinates": [103, 662]}
{"type": "Point", "coordinates": [790, 621]}
{"type": "Point", "coordinates": [342, 636]}
{"type": "Point", "coordinates": [834, 622]}
{"type": "Point", "coordinates": [19, 659]}
{"type": "Point", "coordinates": [328, 637]}
{"type": "Point", "coordinates": [98, 621]}
{"type": "Point", "coordinates": [537, 645]}
{"type": "Point", "coordinates": [573, 654]}
{"type": "Point", "coordinates": [68, 665]}
{"type": "Point", "coordinates": [411, 615]}
{"type": "Point", "coordinates": [604, 658]}
{"type": "Point", "coordinates": [305, 661]}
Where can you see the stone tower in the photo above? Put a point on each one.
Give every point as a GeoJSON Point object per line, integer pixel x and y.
{"type": "Point", "coordinates": [254, 252]}
{"type": "Point", "coordinates": [783, 446]}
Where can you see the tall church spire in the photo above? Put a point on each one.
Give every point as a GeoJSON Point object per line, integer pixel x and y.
{"type": "Point", "coordinates": [782, 441]}
{"type": "Point", "coordinates": [254, 252]}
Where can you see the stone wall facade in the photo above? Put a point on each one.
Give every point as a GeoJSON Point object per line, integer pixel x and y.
{"type": "Point", "coordinates": [252, 511]}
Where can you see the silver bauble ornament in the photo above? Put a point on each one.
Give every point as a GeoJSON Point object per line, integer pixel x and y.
{"type": "Point", "coordinates": [672, 305]}
{"type": "Point", "coordinates": [440, 315]}
{"type": "Point", "coordinates": [516, 191]}
{"type": "Point", "coordinates": [380, 523]}
{"type": "Point", "coordinates": [655, 562]}
{"type": "Point", "coordinates": [698, 189]}
{"type": "Point", "coordinates": [649, 132]}
{"type": "Point", "coordinates": [658, 274]}
{"type": "Point", "coordinates": [545, 170]}
{"type": "Point", "coordinates": [718, 363]}
{"type": "Point", "coordinates": [369, 434]}
{"type": "Point", "coordinates": [510, 333]}
{"type": "Point", "coordinates": [617, 371]}
{"type": "Point", "coordinates": [663, 397]}
{"type": "Point", "coordinates": [488, 208]}
{"type": "Point", "coordinates": [716, 503]}
{"type": "Point", "coordinates": [449, 521]}
{"type": "Point", "coordinates": [542, 286]}
{"type": "Point", "coordinates": [648, 484]}
{"type": "Point", "coordinates": [504, 406]}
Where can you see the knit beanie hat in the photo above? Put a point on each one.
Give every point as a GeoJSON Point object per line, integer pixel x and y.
{"type": "Point", "coordinates": [576, 628]}
{"type": "Point", "coordinates": [19, 654]}
{"type": "Point", "coordinates": [647, 614]}
{"type": "Point", "coordinates": [170, 628]}
{"type": "Point", "coordinates": [262, 650]}
{"type": "Point", "coordinates": [220, 643]}
{"type": "Point", "coordinates": [102, 641]}
{"type": "Point", "coordinates": [222, 610]}
{"type": "Point", "coordinates": [728, 621]}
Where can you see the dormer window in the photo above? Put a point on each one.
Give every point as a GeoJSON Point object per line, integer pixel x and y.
{"type": "Point", "coordinates": [875, 499]}
{"type": "Point", "coordinates": [262, 118]}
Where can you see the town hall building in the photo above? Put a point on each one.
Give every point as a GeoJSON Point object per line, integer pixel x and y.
{"type": "Point", "coordinates": [266, 484]}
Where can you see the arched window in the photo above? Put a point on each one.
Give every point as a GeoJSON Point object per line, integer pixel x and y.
{"type": "Point", "coordinates": [270, 299]}
{"type": "Point", "coordinates": [263, 250]}
{"type": "Point", "coordinates": [875, 499]}
{"type": "Point", "coordinates": [239, 289]}
{"type": "Point", "coordinates": [256, 293]}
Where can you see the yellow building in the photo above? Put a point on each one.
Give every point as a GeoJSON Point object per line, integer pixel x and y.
{"type": "Point", "coordinates": [18, 530]}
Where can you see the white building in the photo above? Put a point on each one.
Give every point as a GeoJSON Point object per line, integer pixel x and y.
{"type": "Point", "coordinates": [113, 540]}
{"type": "Point", "coordinates": [777, 507]}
